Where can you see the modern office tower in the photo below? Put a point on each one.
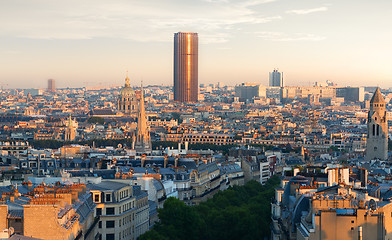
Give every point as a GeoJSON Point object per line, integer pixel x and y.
{"type": "Point", "coordinates": [186, 67]}
{"type": "Point", "coordinates": [275, 79]}
{"type": "Point", "coordinates": [51, 85]}
{"type": "Point", "coordinates": [377, 137]}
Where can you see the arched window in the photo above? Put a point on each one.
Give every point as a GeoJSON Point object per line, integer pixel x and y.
{"type": "Point", "coordinates": [374, 130]}
{"type": "Point", "coordinates": [378, 130]}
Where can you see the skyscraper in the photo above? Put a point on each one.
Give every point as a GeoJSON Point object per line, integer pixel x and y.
{"type": "Point", "coordinates": [186, 87]}
{"type": "Point", "coordinates": [51, 85]}
{"type": "Point", "coordinates": [275, 79]}
{"type": "Point", "coordinates": [377, 137]}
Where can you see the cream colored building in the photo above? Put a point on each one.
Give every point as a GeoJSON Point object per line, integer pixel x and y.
{"type": "Point", "coordinates": [123, 210]}
{"type": "Point", "coordinates": [302, 209]}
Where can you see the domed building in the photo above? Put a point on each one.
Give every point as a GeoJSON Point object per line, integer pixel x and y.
{"type": "Point", "coordinates": [127, 102]}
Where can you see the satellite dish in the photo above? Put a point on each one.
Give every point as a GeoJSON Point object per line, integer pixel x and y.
{"type": "Point", "coordinates": [11, 231]}
{"type": "Point", "coordinates": [373, 205]}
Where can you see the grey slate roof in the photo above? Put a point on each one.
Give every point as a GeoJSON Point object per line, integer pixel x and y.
{"type": "Point", "coordinates": [107, 185]}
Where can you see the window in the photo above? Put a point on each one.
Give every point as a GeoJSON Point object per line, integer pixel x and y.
{"type": "Point", "coordinates": [109, 224]}
{"type": "Point", "coordinates": [99, 212]}
{"type": "Point", "coordinates": [97, 197]}
{"type": "Point", "coordinates": [110, 211]}
{"type": "Point", "coordinates": [108, 197]}
{"type": "Point", "coordinates": [110, 236]}
{"type": "Point", "coordinates": [100, 224]}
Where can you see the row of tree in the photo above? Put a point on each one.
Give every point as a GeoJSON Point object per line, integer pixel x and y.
{"type": "Point", "coordinates": [240, 212]}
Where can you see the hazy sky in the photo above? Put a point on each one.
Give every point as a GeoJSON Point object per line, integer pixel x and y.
{"type": "Point", "coordinates": [93, 42]}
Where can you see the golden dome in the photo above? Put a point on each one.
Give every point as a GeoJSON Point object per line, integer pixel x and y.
{"type": "Point", "coordinates": [127, 90]}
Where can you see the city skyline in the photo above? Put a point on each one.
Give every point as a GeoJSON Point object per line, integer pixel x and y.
{"type": "Point", "coordinates": [93, 43]}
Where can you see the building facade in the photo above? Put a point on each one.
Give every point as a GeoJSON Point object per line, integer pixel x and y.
{"type": "Point", "coordinates": [51, 85]}
{"type": "Point", "coordinates": [123, 211]}
{"type": "Point", "coordinates": [377, 138]}
{"type": "Point", "coordinates": [186, 67]}
{"type": "Point", "coordinates": [248, 91]}
{"type": "Point", "coordinates": [275, 79]}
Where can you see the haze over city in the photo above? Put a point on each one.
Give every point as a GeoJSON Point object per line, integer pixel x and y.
{"type": "Point", "coordinates": [81, 43]}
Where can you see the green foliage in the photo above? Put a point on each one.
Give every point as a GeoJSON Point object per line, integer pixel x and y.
{"type": "Point", "coordinates": [176, 116]}
{"type": "Point", "coordinates": [204, 146]}
{"type": "Point", "coordinates": [97, 120]}
{"type": "Point", "coordinates": [240, 212]}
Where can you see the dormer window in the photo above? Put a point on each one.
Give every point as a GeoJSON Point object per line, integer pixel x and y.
{"type": "Point", "coordinates": [108, 197]}
{"type": "Point", "coordinates": [97, 197]}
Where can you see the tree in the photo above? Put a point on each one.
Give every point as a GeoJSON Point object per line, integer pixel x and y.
{"type": "Point", "coordinates": [240, 212]}
{"type": "Point", "coordinates": [96, 120]}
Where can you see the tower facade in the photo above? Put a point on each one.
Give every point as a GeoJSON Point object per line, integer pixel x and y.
{"type": "Point", "coordinates": [143, 139]}
{"type": "Point", "coordinates": [127, 102]}
{"type": "Point", "coordinates": [186, 86]}
{"type": "Point", "coordinates": [377, 136]}
{"type": "Point", "coordinates": [70, 129]}
{"type": "Point", "coordinates": [51, 85]}
{"type": "Point", "coordinates": [275, 79]}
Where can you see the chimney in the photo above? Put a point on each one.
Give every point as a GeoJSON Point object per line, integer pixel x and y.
{"type": "Point", "coordinates": [165, 160]}
{"type": "Point", "coordinates": [176, 162]}
{"type": "Point", "coordinates": [359, 233]}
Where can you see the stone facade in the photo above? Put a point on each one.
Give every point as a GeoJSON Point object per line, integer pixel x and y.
{"type": "Point", "coordinates": [127, 100]}
{"type": "Point", "coordinates": [377, 137]}
{"type": "Point", "coordinates": [122, 216]}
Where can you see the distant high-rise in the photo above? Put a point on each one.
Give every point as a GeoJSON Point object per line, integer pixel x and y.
{"type": "Point", "coordinates": [186, 67]}
{"type": "Point", "coordinates": [275, 79]}
{"type": "Point", "coordinates": [51, 85]}
{"type": "Point", "coordinates": [377, 137]}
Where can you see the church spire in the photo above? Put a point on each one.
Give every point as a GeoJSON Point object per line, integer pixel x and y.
{"type": "Point", "coordinates": [377, 137]}
{"type": "Point", "coordinates": [377, 97]}
{"type": "Point", "coordinates": [143, 140]}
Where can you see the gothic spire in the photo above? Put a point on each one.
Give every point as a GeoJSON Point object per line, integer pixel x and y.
{"type": "Point", "coordinates": [143, 140]}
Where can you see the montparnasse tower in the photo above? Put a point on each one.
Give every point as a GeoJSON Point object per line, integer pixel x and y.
{"type": "Point", "coordinates": [143, 139]}
{"type": "Point", "coordinates": [186, 84]}
{"type": "Point", "coordinates": [377, 137]}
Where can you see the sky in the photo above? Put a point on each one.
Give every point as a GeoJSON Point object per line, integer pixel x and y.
{"type": "Point", "coordinates": [95, 42]}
